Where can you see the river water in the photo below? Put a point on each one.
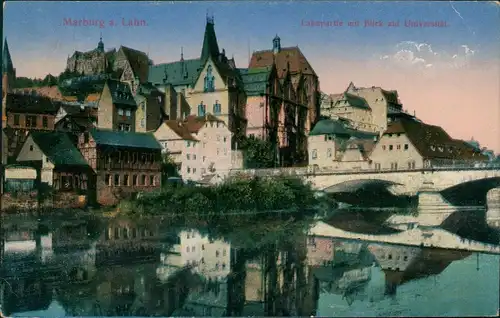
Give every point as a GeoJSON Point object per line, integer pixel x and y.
{"type": "Point", "coordinates": [87, 266]}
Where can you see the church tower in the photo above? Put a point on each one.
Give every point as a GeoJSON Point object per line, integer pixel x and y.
{"type": "Point", "coordinates": [100, 45]}
{"type": "Point", "coordinates": [210, 46]}
{"type": "Point", "coordinates": [8, 77]}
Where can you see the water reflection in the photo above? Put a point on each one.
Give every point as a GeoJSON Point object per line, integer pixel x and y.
{"type": "Point", "coordinates": [150, 267]}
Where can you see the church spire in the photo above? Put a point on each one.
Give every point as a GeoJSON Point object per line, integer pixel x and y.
{"type": "Point", "coordinates": [182, 53]}
{"type": "Point", "coordinates": [100, 45]}
{"type": "Point", "coordinates": [210, 47]}
{"type": "Point", "coordinates": [7, 66]}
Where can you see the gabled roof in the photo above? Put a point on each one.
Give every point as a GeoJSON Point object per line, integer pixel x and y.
{"type": "Point", "coordinates": [139, 62]}
{"type": "Point", "coordinates": [19, 103]}
{"type": "Point", "coordinates": [432, 141]}
{"type": "Point", "coordinates": [353, 100]}
{"type": "Point", "coordinates": [195, 123]}
{"type": "Point", "coordinates": [329, 127]}
{"type": "Point", "coordinates": [255, 80]}
{"type": "Point", "coordinates": [180, 129]}
{"type": "Point", "coordinates": [292, 55]}
{"type": "Point", "coordinates": [104, 137]}
{"type": "Point", "coordinates": [120, 93]}
{"type": "Point", "coordinates": [184, 72]}
{"type": "Point", "coordinates": [58, 148]}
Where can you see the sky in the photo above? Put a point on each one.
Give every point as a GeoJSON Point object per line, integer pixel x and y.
{"type": "Point", "coordinates": [448, 75]}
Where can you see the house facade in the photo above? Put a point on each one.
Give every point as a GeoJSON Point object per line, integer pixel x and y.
{"type": "Point", "coordinates": [117, 107]}
{"type": "Point", "coordinates": [409, 144]}
{"type": "Point", "coordinates": [62, 167]}
{"type": "Point", "coordinates": [150, 102]}
{"type": "Point", "coordinates": [124, 163]}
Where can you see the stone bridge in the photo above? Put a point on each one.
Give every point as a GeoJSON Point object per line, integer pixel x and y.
{"type": "Point", "coordinates": [437, 190]}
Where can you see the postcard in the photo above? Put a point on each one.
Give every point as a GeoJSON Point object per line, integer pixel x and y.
{"type": "Point", "coordinates": [250, 158]}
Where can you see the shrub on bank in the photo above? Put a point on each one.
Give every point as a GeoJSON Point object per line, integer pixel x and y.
{"type": "Point", "coordinates": [237, 195]}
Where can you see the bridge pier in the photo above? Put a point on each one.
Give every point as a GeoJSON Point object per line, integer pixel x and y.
{"type": "Point", "coordinates": [493, 213]}
{"type": "Point", "coordinates": [433, 208]}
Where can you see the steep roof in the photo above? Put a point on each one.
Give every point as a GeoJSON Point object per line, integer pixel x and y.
{"type": "Point", "coordinates": [353, 100]}
{"type": "Point", "coordinates": [52, 92]}
{"type": "Point", "coordinates": [292, 55]}
{"type": "Point", "coordinates": [180, 129]}
{"type": "Point", "coordinates": [195, 123]}
{"type": "Point", "coordinates": [329, 127]}
{"type": "Point", "coordinates": [124, 139]}
{"type": "Point", "coordinates": [432, 141]}
{"type": "Point", "coordinates": [210, 47]}
{"type": "Point", "coordinates": [7, 65]}
{"type": "Point", "coordinates": [59, 149]}
{"type": "Point", "coordinates": [20, 103]}
{"type": "Point", "coordinates": [121, 93]}
{"type": "Point", "coordinates": [139, 62]}
{"type": "Point", "coordinates": [184, 72]}
{"type": "Point", "coordinates": [255, 80]}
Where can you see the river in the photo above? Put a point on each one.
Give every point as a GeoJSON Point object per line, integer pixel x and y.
{"type": "Point", "coordinates": [88, 266]}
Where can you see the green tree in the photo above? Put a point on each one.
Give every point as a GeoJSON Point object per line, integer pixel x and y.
{"type": "Point", "coordinates": [258, 153]}
{"type": "Point", "coordinates": [169, 167]}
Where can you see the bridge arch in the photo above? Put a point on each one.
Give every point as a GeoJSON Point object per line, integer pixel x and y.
{"type": "Point", "coordinates": [360, 185]}
{"type": "Point", "coordinates": [471, 193]}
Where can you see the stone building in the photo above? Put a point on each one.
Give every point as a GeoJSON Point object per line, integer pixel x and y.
{"type": "Point", "coordinates": [96, 61]}
{"type": "Point", "coordinates": [124, 163]}
{"type": "Point", "coordinates": [208, 84]}
{"type": "Point", "coordinates": [117, 107]}
{"type": "Point", "coordinates": [290, 61]}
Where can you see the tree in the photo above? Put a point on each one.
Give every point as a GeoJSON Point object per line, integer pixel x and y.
{"type": "Point", "coordinates": [258, 153]}
{"type": "Point", "coordinates": [169, 167]}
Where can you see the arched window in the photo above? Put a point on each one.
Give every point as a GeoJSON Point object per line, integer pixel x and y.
{"type": "Point", "coordinates": [217, 108]}
{"type": "Point", "coordinates": [201, 109]}
{"type": "Point", "coordinates": [209, 80]}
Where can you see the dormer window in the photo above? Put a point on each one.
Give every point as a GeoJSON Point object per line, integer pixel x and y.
{"type": "Point", "coordinates": [120, 112]}
{"type": "Point", "coordinates": [433, 148]}
{"type": "Point", "coordinates": [441, 148]}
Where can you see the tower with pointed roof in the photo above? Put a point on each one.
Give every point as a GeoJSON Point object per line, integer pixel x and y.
{"type": "Point", "coordinates": [210, 47]}
{"type": "Point", "coordinates": [100, 45]}
{"type": "Point", "coordinates": [8, 78]}
{"type": "Point", "coordinates": [276, 44]}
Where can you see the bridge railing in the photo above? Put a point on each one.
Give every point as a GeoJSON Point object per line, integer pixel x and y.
{"type": "Point", "coordinates": [314, 170]}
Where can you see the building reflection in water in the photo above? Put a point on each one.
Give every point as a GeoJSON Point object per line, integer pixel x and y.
{"type": "Point", "coordinates": [143, 267]}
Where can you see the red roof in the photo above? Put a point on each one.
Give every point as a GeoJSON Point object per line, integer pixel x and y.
{"type": "Point", "coordinates": [433, 141]}
{"type": "Point", "coordinates": [292, 55]}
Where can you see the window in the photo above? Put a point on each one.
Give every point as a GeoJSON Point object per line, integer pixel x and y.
{"type": "Point", "coordinates": [45, 122]}
{"type": "Point", "coordinates": [217, 108]}
{"type": "Point", "coordinates": [125, 180]}
{"type": "Point", "coordinates": [218, 138]}
{"type": "Point", "coordinates": [377, 166]}
{"type": "Point", "coordinates": [134, 179]}
{"type": "Point", "coordinates": [128, 113]}
{"type": "Point", "coordinates": [209, 80]}
{"type": "Point", "coordinates": [390, 147]}
{"type": "Point", "coordinates": [188, 144]}
{"type": "Point", "coordinates": [188, 170]}
{"type": "Point", "coordinates": [202, 247]}
{"type": "Point", "coordinates": [188, 156]}
{"type": "Point", "coordinates": [31, 147]}
{"type": "Point", "coordinates": [329, 152]}
{"type": "Point", "coordinates": [117, 179]}
{"type": "Point", "coordinates": [218, 150]}
{"type": "Point", "coordinates": [398, 147]}
{"type": "Point", "coordinates": [187, 249]}
{"type": "Point", "coordinates": [143, 106]}
{"type": "Point", "coordinates": [314, 154]}
{"type": "Point", "coordinates": [16, 120]}
{"type": "Point", "coordinates": [128, 128]}
{"type": "Point", "coordinates": [31, 121]}
{"type": "Point", "coordinates": [86, 138]}
{"type": "Point", "coordinates": [194, 157]}
{"type": "Point", "coordinates": [406, 146]}
{"type": "Point", "coordinates": [384, 147]}
{"type": "Point", "coordinates": [411, 165]}
{"type": "Point", "coordinates": [204, 158]}
{"type": "Point", "coordinates": [201, 109]}
{"type": "Point", "coordinates": [143, 180]}
{"type": "Point", "coordinates": [394, 165]}
{"type": "Point", "coordinates": [125, 233]}
{"type": "Point", "coordinates": [117, 233]}
{"type": "Point", "coordinates": [121, 127]}
{"type": "Point", "coordinates": [143, 122]}
{"type": "Point", "coordinates": [225, 139]}
{"type": "Point", "coordinates": [193, 248]}
{"type": "Point", "coordinates": [120, 112]}
{"type": "Point", "coordinates": [108, 180]}
{"type": "Point", "coordinates": [194, 170]}
{"type": "Point", "coordinates": [224, 252]}
{"type": "Point", "coordinates": [152, 180]}
{"type": "Point", "coordinates": [216, 253]}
